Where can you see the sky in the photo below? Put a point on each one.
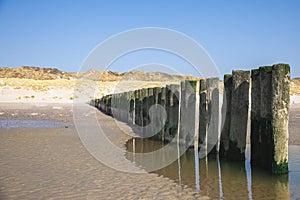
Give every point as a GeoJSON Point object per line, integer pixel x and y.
{"type": "Point", "coordinates": [235, 34]}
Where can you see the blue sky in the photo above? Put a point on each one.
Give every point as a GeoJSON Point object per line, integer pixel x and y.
{"type": "Point", "coordinates": [236, 34]}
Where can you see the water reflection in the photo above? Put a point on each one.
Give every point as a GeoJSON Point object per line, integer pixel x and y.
{"type": "Point", "coordinates": [197, 170]}
{"type": "Point", "coordinates": [220, 179]}
{"type": "Point", "coordinates": [234, 180]}
{"type": "Point", "coordinates": [30, 123]}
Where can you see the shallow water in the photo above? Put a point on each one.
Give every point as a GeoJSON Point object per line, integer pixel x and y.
{"type": "Point", "coordinates": [221, 179]}
{"type": "Point", "coordinates": [30, 123]}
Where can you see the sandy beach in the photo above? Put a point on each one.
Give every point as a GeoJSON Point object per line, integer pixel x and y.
{"type": "Point", "coordinates": [42, 156]}
{"type": "Point", "coordinates": [52, 163]}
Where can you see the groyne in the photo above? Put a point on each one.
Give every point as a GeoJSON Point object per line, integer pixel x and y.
{"type": "Point", "coordinates": [191, 113]}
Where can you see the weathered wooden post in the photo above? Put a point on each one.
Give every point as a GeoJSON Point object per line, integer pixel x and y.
{"type": "Point", "coordinates": [115, 105]}
{"type": "Point", "coordinates": [108, 104]}
{"type": "Point", "coordinates": [123, 107]}
{"type": "Point", "coordinates": [156, 117]}
{"type": "Point", "coordinates": [256, 117]}
{"type": "Point", "coordinates": [172, 108]}
{"type": "Point", "coordinates": [271, 125]}
{"type": "Point", "coordinates": [162, 102]}
{"type": "Point", "coordinates": [158, 120]}
{"type": "Point", "coordinates": [175, 110]}
{"type": "Point", "coordinates": [226, 111]}
{"type": "Point", "coordinates": [239, 115]}
{"type": "Point", "coordinates": [189, 113]}
{"type": "Point", "coordinates": [182, 127]}
{"type": "Point", "coordinates": [212, 85]}
{"type": "Point", "coordinates": [119, 106]}
{"type": "Point", "coordinates": [131, 114]}
{"type": "Point", "coordinates": [144, 107]}
{"type": "Point", "coordinates": [203, 115]}
{"type": "Point", "coordinates": [168, 107]}
{"type": "Point", "coordinates": [150, 103]}
{"type": "Point", "coordinates": [280, 117]}
{"type": "Point", "coordinates": [138, 108]}
{"type": "Point", "coordinates": [126, 106]}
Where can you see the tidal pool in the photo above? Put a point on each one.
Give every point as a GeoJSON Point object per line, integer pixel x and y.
{"type": "Point", "coordinates": [30, 123]}
{"type": "Point", "coordinates": [220, 179]}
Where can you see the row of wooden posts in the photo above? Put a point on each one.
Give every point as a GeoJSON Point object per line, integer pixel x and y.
{"type": "Point", "coordinates": [193, 111]}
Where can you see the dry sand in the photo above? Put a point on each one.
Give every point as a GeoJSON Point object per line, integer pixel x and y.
{"type": "Point", "coordinates": [65, 91]}
{"type": "Point", "coordinates": [52, 163]}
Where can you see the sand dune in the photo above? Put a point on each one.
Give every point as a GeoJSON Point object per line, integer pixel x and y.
{"type": "Point", "coordinates": [34, 84]}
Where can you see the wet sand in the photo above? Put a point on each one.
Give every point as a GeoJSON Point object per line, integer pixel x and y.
{"type": "Point", "coordinates": [52, 163]}
{"type": "Point", "coordinates": [294, 124]}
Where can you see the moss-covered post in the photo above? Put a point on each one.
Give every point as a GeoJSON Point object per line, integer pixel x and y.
{"type": "Point", "coordinates": [127, 116]}
{"type": "Point", "coordinates": [103, 104]}
{"type": "Point", "coordinates": [108, 104]}
{"type": "Point", "coordinates": [265, 134]}
{"type": "Point", "coordinates": [131, 114]}
{"type": "Point", "coordinates": [203, 115]}
{"type": "Point", "coordinates": [255, 117]}
{"type": "Point", "coordinates": [126, 106]}
{"type": "Point", "coordinates": [138, 107]}
{"type": "Point", "coordinates": [123, 106]}
{"type": "Point", "coordinates": [212, 85]}
{"type": "Point", "coordinates": [169, 101]}
{"type": "Point", "coordinates": [182, 126]}
{"type": "Point", "coordinates": [280, 116]}
{"type": "Point", "coordinates": [113, 105]}
{"type": "Point", "coordinates": [270, 149]}
{"type": "Point", "coordinates": [100, 103]}
{"type": "Point", "coordinates": [172, 112]}
{"type": "Point", "coordinates": [151, 102]}
{"type": "Point", "coordinates": [117, 106]}
{"type": "Point", "coordinates": [162, 102]}
{"type": "Point", "coordinates": [156, 117]}
{"type": "Point", "coordinates": [144, 107]}
{"type": "Point", "coordinates": [189, 112]}
{"type": "Point", "coordinates": [226, 112]}
{"type": "Point", "coordinates": [120, 106]}
{"type": "Point", "coordinates": [175, 110]}
{"type": "Point", "coordinates": [239, 114]}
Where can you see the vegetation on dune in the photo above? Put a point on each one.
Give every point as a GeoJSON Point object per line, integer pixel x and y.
{"type": "Point", "coordinates": [36, 73]}
{"type": "Point", "coordinates": [45, 79]}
